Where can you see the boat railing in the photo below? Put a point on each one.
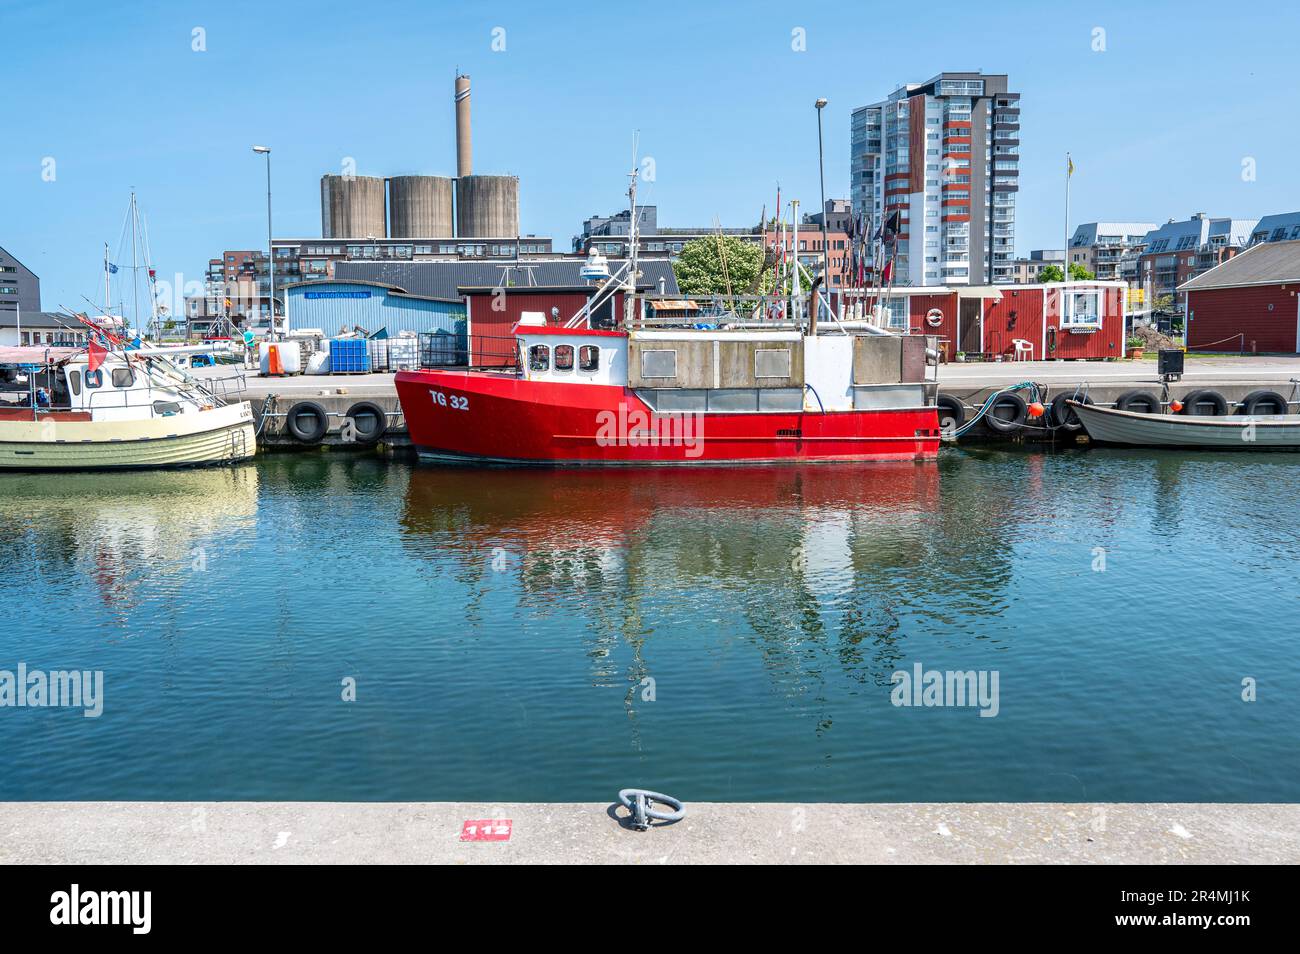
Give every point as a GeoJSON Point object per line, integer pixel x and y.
{"type": "Point", "coordinates": [227, 387]}
{"type": "Point", "coordinates": [715, 311]}
{"type": "Point", "coordinates": [491, 352]}
{"type": "Point", "coordinates": [147, 397]}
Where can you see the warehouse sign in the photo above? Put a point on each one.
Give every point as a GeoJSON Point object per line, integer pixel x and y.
{"type": "Point", "coordinates": [337, 294]}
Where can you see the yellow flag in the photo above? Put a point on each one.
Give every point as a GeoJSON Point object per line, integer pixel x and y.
{"type": "Point", "coordinates": [1069, 166]}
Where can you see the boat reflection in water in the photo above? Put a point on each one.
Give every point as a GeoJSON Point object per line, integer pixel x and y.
{"type": "Point", "coordinates": [121, 529]}
{"type": "Point", "coordinates": [814, 567]}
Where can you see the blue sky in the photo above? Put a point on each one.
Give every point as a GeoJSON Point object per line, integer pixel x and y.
{"type": "Point", "coordinates": [1159, 122]}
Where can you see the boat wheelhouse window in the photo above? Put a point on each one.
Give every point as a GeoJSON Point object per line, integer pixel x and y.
{"type": "Point", "coordinates": [658, 364]}
{"type": "Point", "coordinates": [95, 379]}
{"type": "Point", "coordinates": [123, 377]}
{"type": "Point", "coordinates": [588, 358]}
{"type": "Point", "coordinates": [539, 358]}
{"type": "Point", "coordinates": [564, 357]}
{"type": "Point", "coordinates": [74, 381]}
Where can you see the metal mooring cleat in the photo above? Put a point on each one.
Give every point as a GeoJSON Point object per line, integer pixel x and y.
{"type": "Point", "coordinates": [637, 801]}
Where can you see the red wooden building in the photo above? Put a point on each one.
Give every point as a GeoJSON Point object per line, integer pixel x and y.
{"type": "Point", "coordinates": [1247, 303]}
{"type": "Point", "coordinates": [1010, 321]}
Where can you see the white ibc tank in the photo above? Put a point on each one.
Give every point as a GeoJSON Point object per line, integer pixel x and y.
{"type": "Point", "coordinates": [289, 357]}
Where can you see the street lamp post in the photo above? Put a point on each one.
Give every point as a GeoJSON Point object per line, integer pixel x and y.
{"type": "Point", "coordinates": [821, 174]}
{"type": "Point", "coordinates": [270, 249]}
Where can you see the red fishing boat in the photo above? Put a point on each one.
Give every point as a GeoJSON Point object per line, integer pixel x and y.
{"type": "Point", "coordinates": [760, 382]}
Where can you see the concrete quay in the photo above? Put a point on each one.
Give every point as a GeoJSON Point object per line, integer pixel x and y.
{"type": "Point", "coordinates": [592, 833]}
{"type": "Point", "coordinates": [1105, 381]}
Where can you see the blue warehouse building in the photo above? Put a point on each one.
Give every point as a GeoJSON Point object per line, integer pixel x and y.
{"type": "Point", "coordinates": [341, 306]}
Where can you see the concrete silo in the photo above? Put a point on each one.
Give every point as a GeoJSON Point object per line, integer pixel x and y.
{"type": "Point", "coordinates": [487, 206]}
{"type": "Point", "coordinates": [419, 207]}
{"type": "Point", "coordinates": [352, 207]}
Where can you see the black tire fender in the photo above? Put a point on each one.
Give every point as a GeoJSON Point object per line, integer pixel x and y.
{"type": "Point", "coordinates": [952, 413]}
{"type": "Point", "coordinates": [1194, 400]}
{"type": "Point", "coordinates": [1141, 402]}
{"type": "Point", "coordinates": [1262, 403]}
{"type": "Point", "coordinates": [364, 411]}
{"type": "Point", "coordinates": [1063, 415]}
{"type": "Point", "coordinates": [1006, 423]}
{"type": "Point", "coordinates": [307, 421]}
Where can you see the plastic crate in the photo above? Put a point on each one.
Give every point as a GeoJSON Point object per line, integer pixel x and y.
{"type": "Point", "coordinates": [378, 348]}
{"type": "Point", "coordinates": [403, 354]}
{"type": "Point", "coordinates": [438, 349]}
{"type": "Point", "coordinates": [349, 356]}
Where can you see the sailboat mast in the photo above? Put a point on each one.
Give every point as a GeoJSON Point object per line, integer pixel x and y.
{"type": "Point", "coordinates": [108, 300]}
{"type": "Point", "coordinates": [135, 263]}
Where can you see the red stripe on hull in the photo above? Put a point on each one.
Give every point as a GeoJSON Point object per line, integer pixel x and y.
{"type": "Point", "coordinates": [500, 418]}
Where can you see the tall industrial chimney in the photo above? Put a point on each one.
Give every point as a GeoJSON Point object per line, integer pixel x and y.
{"type": "Point", "coordinates": [464, 149]}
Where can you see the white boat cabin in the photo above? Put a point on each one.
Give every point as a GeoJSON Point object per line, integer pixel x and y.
{"type": "Point", "coordinates": [735, 371]}
{"type": "Point", "coordinates": [117, 390]}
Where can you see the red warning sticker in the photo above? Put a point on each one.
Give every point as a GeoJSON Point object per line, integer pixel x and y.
{"type": "Point", "coordinates": [486, 829]}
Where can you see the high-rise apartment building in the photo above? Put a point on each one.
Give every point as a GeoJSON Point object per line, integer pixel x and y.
{"type": "Point", "coordinates": [944, 155]}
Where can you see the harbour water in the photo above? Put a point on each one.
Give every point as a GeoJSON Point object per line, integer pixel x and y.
{"type": "Point", "coordinates": [519, 635]}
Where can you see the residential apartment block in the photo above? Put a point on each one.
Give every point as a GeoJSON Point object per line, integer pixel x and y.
{"type": "Point", "coordinates": [608, 234]}
{"type": "Point", "coordinates": [20, 289]}
{"type": "Point", "coordinates": [1282, 227]}
{"type": "Point", "coordinates": [944, 154]}
{"type": "Point", "coordinates": [1176, 252]}
{"type": "Point", "coordinates": [1102, 247]}
{"type": "Point", "coordinates": [1025, 271]}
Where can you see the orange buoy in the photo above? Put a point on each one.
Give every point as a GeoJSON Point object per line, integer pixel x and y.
{"type": "Point", "coordinates": [1035, 409]}
{"type": "Point", "coordinates": [1176, 406]}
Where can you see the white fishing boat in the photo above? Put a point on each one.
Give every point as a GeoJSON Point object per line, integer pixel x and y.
{"type": "Point", "coordinates": [1110, 426]}
{"type": "Point", "coordinates": [92, 408]}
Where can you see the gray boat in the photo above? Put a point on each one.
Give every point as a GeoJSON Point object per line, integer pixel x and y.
{"type": "Point", "coordinates": [1110, 426]}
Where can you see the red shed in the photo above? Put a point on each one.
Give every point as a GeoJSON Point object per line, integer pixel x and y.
{"type": "Point", "coordinates": [1247, 303]}
{"type": "Point", "coordinates": [492, 312]}
{"type": "Point", "coordinates": [987, 321]}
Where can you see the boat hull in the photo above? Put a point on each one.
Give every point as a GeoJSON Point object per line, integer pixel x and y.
{"type": "Point", "coordinates": [1107, 426]}
{"type": "Point", "coordinates": [487, 418]}
{"type": "Point", "coordinates": [219, 435]}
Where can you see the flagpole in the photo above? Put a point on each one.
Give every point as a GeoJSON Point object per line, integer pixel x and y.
{"type": "Point", "coordinates": [1065, 266]}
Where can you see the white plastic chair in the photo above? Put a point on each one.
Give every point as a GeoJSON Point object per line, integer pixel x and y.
{"type": "Point", "coordinates": [1024, 349]}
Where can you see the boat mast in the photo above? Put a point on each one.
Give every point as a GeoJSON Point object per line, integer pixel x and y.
{"type": "Point", "coordinates": [629, 295]}
{"type": "Point", "coordinates": [795, 310]}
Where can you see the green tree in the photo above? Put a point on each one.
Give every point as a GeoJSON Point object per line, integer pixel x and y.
{"type": "Point", "coordinates": [1052, 273]}
{"type": "Point", "coordinates": [720, 265]}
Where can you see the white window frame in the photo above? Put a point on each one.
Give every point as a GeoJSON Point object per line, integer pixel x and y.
{"type": "Point", "coordinates": [1070, 315]}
